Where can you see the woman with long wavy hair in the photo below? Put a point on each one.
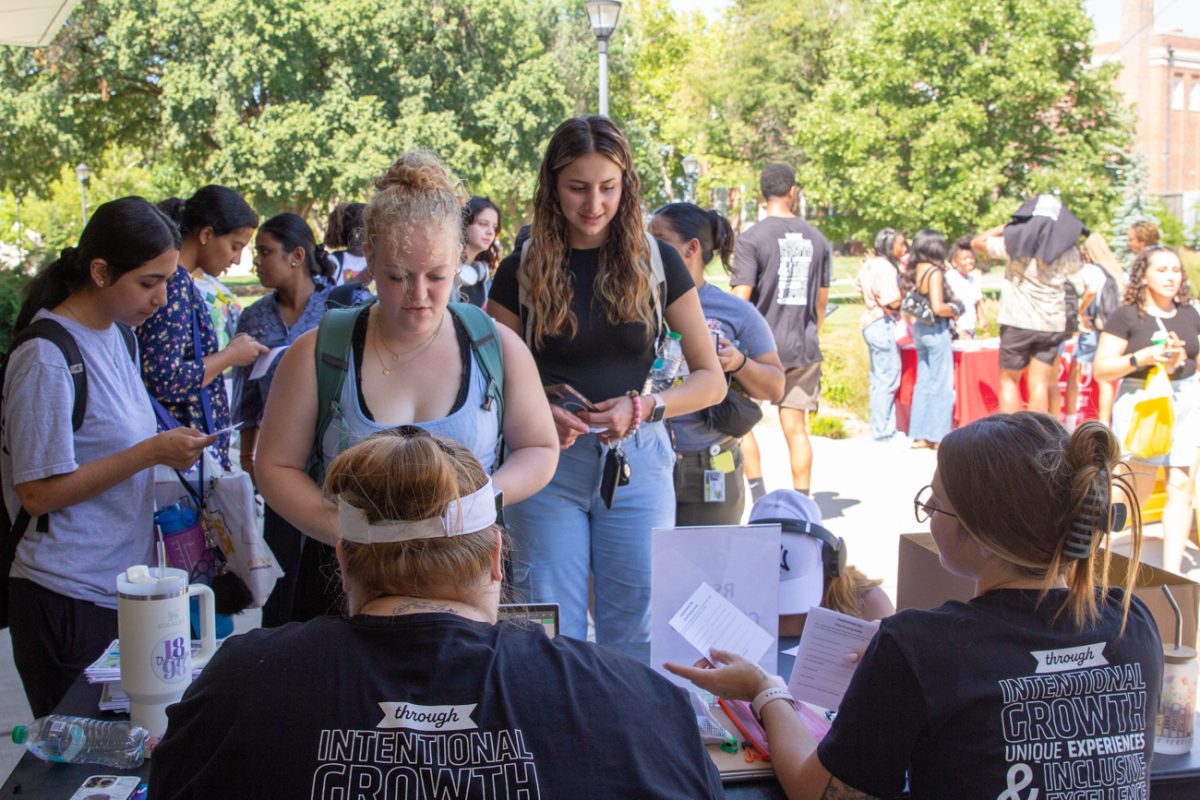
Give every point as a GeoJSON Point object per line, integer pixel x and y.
{"type": "Point", "coordinates": [1157, 325]}
{"type": "Point", "coordinates": [591, 298]}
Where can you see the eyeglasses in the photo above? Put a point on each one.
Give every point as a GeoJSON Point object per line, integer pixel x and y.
{"type": "Point", "coordinates": [923, 510]}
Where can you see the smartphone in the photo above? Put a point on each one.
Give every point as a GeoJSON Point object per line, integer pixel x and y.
{"type": "Point", "coordinates": [108, 787]}
{"type": "Point", "coordinates": [565, 395]}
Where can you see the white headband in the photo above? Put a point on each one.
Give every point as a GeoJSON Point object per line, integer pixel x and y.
{"type": "Point", "coordinates": [470, 514]}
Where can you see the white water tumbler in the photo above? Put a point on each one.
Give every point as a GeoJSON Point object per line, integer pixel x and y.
{"type": "Point", "coordinates": [156, 640]}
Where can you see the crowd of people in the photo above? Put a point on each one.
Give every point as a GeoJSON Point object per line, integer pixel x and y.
{"type": "Point", "coordinates": [432, 425]}
{"type": "Point", "coordinates": [1062, 285]}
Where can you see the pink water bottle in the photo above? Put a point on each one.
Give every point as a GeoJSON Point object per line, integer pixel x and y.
{"type": "Point", "coordinates": [182, 536]}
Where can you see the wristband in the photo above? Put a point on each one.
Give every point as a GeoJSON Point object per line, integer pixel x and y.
{"type": "Point", "coordinates": [769, 696]}
{"type": "Point", "coordinates": [636, 399]}
{"type": "Point", "coordinates": [745, 358]}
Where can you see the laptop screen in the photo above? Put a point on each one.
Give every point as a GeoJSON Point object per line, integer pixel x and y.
{"type": "Point", "coordinates": [544, 614]}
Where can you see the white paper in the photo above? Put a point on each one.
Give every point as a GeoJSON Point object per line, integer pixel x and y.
{"type": "Point", "coordinates": [264, 362]}
{"type": "Point", "coordinates": [821, 673]}
{"type": "Point", "coordinates": [741, 563]}
{"type": "Point", "coordinates": [708, 620]}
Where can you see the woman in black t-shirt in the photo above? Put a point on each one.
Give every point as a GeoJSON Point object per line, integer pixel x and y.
{"type": "Point", "coordinates": [1044, 681]}
{"type": "Point", "coordinates": [589, 296]}
{"type": "Point", "coordinates": [1157, 301]}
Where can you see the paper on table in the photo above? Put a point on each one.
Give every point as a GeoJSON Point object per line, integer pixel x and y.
{"type": "Point", "coordinates": [820, 674]}
{"type": "Point", "coordinates": [708, 620]}
{"type": "Point", "coordinates": [264, 362]}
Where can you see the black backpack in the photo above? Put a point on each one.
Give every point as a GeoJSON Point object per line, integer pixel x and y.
{"type": "Point", "coordinates": [12, 530]}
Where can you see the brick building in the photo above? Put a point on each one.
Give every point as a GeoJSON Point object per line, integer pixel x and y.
{"type": "Point", "coordinates": [1160, 77]}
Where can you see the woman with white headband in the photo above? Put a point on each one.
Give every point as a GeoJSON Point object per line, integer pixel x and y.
{"type": "Point", "coordinates": [421, 687]}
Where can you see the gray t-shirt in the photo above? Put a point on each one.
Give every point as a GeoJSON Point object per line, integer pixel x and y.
{"type": "Point", "coordinates": [786, 261]}
{"type": "Point", "coordinates": [741, 323]}
{"type": "Point", "coordinates": [90, 542]}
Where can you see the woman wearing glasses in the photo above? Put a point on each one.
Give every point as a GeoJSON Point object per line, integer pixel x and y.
{"type": "Point", "coordinates": [1157, 326]}
{"type": "Point", "coordinates": [1047, 681]}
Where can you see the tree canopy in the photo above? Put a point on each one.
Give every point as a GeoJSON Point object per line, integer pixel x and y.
{"type": "Point", "coordinates": [896, 112]}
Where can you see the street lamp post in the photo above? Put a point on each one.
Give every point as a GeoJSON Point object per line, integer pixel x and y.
{"type": "Point", "coordinates": [20, 230]}
{"type": "Point", "coordinates": [83, 173]}
{"type": "Point", "coordinates": [691, 170]}
{"type": "Point", "coordinates": [603, 15]}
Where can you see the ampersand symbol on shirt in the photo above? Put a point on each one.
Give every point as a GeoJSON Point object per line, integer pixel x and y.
{"type": "Point", "coordinates": [1019, 777]}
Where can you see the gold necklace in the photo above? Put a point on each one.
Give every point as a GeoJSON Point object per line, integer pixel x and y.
{"type": "Point", "coordinates": [419, 350]}
{"type": "Point", "coordinates": [67, 309]}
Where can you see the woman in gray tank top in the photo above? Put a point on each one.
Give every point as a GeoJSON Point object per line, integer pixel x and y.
{"type": "Point", "coordinates": [408, 362]}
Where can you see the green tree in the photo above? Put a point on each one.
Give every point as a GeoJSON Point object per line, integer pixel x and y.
{"type": "Point", "coordinates": [948, 113]}
{"type": "Point", "coordinates": [294, 102]}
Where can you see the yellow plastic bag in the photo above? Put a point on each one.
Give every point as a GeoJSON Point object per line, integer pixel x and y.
{"type": "Point", "coordinates": [1153, 418]}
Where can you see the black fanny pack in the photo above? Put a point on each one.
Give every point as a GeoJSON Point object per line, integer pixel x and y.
{"type": "Point", "coordinates": [734, 416]}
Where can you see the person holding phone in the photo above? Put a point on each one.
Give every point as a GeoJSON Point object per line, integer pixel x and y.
{"type": "Point", "coordinates": [587, 295]}
{"type": "Point", "coordinates": [1157, 325]}
{"type": "Point", "coordinates": [81, 498]}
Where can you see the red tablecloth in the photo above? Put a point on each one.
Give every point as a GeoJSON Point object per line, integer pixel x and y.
{"type": "Point", "coordinates": [977, 382]}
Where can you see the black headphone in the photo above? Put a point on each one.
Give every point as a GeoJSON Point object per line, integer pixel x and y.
{"type": "Point", "coordinates": [833, 548]}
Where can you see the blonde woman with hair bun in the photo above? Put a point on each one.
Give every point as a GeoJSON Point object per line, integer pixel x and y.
{"type": "Point", "coordinates": [1050, 675]}
{"type": "Point", "coordinates": [407, 359]}
{"type": "Point", "coordinates": [420, 691]}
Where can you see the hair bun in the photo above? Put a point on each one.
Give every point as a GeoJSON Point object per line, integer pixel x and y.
{"type": "Point", "coordinates": [69, 255]}
{"type": "Point", "coordinates": [419, 171]}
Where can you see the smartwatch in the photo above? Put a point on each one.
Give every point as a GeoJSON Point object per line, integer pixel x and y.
{"type": "Point", "coordinates": [1133, 360]}
{"type": "Point", "coordinates": [659, 411]}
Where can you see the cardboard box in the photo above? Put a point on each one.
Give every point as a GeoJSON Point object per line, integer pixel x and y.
{"type": "Point", "coordinates": [922, 582]}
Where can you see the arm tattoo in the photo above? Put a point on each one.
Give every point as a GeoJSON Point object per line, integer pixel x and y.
{"type": "Point", "coordinates": [836, 790]}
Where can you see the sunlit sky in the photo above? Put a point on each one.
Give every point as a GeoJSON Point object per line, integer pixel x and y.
{"type": "Point", "coordinates": [1106, 14]}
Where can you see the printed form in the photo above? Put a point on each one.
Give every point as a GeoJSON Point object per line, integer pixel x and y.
{"type": "Point", "coordinates": [821, 673]}
{"type": "Point", "coordinates": [264, 362]}
{"type": "Point", "coordinates": [708, 620]}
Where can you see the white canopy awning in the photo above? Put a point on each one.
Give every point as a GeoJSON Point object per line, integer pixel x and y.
{"type": "Point", "coordinates": [32, 22]}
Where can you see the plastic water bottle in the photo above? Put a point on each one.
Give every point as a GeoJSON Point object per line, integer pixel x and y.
{"type": "Point", "coordinates": [78, 740]}
{"type": "Point", "coordinates": [666, 365]}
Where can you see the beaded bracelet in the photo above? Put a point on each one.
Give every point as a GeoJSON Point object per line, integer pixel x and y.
{"type": "Point", "coordinates": [637, 414]}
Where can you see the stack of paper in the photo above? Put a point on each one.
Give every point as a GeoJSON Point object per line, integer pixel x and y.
{"type": "Point", "coordinates": [106, 670]}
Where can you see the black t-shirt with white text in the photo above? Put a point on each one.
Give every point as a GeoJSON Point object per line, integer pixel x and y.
{"type": "Point", "coordinates": [425, 706]}
{"type": "Point", "coordinates": [1137, 327]}
{"type": "Point", "coordinates": [602, 360]}
{"type": "Point", "coordinates": [785, 261]}
{"type": "Point", "coordinates": [998, 698]}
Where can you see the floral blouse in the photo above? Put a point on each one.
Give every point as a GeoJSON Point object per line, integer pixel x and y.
{"type": "Point", "coordinates": [172, 369]}
{"type": "Point", "coordinates": [264, 322]}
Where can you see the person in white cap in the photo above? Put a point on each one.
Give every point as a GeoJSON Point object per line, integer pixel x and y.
{"type": "Point", "coordinates": [812, 565]}
{"type": "Point", "coordinates": [420, 692]}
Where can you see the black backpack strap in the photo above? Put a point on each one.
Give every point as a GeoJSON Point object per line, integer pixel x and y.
{"type": "Point", "coordinates": [46, 328]}
{"type": "Point", "coordinates": [60, 337]}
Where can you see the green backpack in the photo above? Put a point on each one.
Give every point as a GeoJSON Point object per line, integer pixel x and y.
{"type": "Point", "coordinates": [333, 358]}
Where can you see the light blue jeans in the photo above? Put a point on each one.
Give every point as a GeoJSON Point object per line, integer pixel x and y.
{"type": "Point", "coordinates": [880, 336]}
{"type": "Point", "coordinates": [565, 531]}
{"type": "Point", "coordinates": [933, 394]}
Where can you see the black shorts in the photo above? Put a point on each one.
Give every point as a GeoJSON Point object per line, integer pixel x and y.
{"type": "Point", "coordinates": [1019, 345]}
